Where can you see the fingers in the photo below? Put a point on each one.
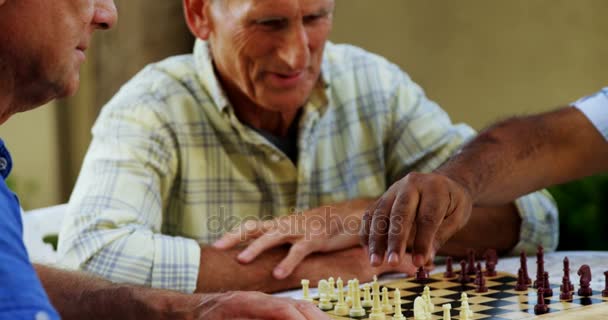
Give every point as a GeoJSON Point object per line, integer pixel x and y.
{"type": "Point", "coordinates": [296, 254]}
{"type": "Point", "coordinates": [366, 224]}
{"type": "Point", "coordinates": [405, 266]}
{"type": "Point", "coordinates": [433, 208]}
{"type": "Point", "coordinates": [268, 240]}
{"type": "Point", "coordinates": [452, 224]}
{"type": "Point", "coordinates": [401, 218]}
{"type": "Point", "coordinates": [245, 232]}
{"type": "Point", "coordinates": [379, 229]}
{"type": "Point", "coordinates": [310, 311]}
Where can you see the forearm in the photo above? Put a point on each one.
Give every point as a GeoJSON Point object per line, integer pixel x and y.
{"type": "Point", "coordinates": [521, 155]}
{"type": "Point", "coordinates": [78, 296]}
{"type": "Point", "coordinates": [489, 227]}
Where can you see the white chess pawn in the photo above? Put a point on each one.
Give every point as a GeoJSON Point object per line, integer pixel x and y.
{"type": "Point", "coordinates": [324, 303]}
{"type": "Point", "coordinates": [341, 308]}
{"type": "Point", "coordinates": [367, 297]}
{"type": "Point", "coordinates": [386, 303]}
{"type": "Point", "coordinates": [377, 313]}
{"type": "Point", "coordinates": [332, 289]}
{"type": "Point", "coordinates": [465, 310]}
{"type": "Point", "coordinates": [305, 292]}
{"type": "Point", "coordinates": [446, 311]}
{"type": "Point", "coordinates": [397, 300]}
{"type": "Point", "coordinates": [349, 293]}
{"type": "Point", "coordinates": [357, 310]}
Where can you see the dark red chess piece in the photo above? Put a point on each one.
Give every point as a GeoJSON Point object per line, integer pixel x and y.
{"type": "Point", "coordinates": [471, 266]}
{"type": "Point", "coordinates": [585, 273]}
{"type": "Point", "coordinates": [605, 291]}
{"type": "Point", "coordinates": [521, 285]}
{"type": "Point", "coordinates": [548, 292]}
{"type": "Point", "coordinates": [477, 273]}
{"type": "Point", "coordinates": [524, 266]}
{"type": "Point", "coordinates": [540, 307]}
{"type": "Point", "coordinates": [481, 283]}
{"type": "Point", "coordinates": [567, 274]}
{"type": "Point", "coordinates": [491, 262]}
{"type": "Point", "coordinates": [565, 292]}
{"type": "Point", "coordinates": [540, 268]}
{"type": "Point", "coordinates": [463, 278]}
{"type": "Point", "coordinates": [449, 272]}
{"type": "Point", "coordinates": [421, 274]}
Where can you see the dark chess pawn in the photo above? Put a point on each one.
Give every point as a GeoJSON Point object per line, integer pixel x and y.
{"type": "Point", "coordinates": [585, 279]}
{"type": "Point", "coordinates": [491, 262]}
{"type": "Point", "coordinates": [471, 270]}
{"type": "Point", "coordinates": [481, 283]}
{"type": "Point", "coordinates": [567, 273]}
{"type": "Point", "coordinates": [522, 284]}
{"type": "Point", "coordinates": [565, 292]}
{"type": "Point", "coordinates": [548, 292]}
{"type": "Point", "coordinates": [449, 272]}
{"type": "Point", "coordinates": [605, 291]}
{"type": "Point", "coordinates": [463, 278]}
{"type": "Point", "coordinates": [524, 266]}
{"type": "Point", "coordinates": [540, 307]}
{"type": "Point", "coordinates": [540, 267]}
{"type": "Point", "coordinates": [421, 274]}
{"type": "Point", "coordinates": [477, 273]}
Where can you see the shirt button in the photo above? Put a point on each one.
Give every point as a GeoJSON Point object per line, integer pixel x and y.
{"type": "Point", "coordinates": [3, 163]}
{"type": "Point", "coordinates": [275, 157]}
{"type": "Point", "coordinates": [41, 315]}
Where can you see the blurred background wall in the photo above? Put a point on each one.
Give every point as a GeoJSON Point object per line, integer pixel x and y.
{"type": "Point", "coordinates": [481, 60]}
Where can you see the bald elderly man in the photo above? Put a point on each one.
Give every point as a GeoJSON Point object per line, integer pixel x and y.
{"type": "Point", "coordinates": [267, 124]}
{"type": "Point", "coordinates": [43, 46]}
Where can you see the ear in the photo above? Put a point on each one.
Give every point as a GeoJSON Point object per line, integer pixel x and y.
{"type": "Point", "coordinates": [198, 17]}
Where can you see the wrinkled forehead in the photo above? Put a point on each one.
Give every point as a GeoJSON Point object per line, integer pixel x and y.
{"type": "Point", "coordinates": [242, 8]}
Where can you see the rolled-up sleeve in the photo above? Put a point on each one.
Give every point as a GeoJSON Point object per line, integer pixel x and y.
{"type": "Point", "coordinates": [113, 226]}
{"type": "Point", "coordinates": [423, 138]}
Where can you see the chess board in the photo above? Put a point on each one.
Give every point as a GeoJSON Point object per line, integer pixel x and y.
{"type": "Point", "coordinates": [501, 301]}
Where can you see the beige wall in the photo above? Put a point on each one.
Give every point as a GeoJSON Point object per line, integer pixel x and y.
{"type": "Point", "coordinates": [32, 140]}
{"type": "Point", "coordinates": [480, 59]}
{"type": "Point", "coordinates": [484, 59]}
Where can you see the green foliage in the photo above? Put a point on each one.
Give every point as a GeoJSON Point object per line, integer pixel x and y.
{"type": "Point", "coordinates": [583, 213]}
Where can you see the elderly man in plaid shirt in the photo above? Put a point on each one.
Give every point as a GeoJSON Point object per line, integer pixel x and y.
{"type": "Point", "coordinates": [270, 123]}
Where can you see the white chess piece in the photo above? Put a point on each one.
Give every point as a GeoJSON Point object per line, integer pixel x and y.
{"type": "Point", "coordinates": [465, 310]}
{"type": "Point", "coordinates": [341, 308]}
{"type": "Point", "coordinates": [429, 306]}
{"type": "Point", "coordinates": [446, 311]}
{"type": "Point", "coordinates": [324, 303]}
{"type": "Point", "coordinates": [377, 313]}
{"type": "Point", "coordinates": [367, 297]}
{"type": "Point", "coordinates": [357, 310]}
{"type": "Point", "coordinates": [305, 292]}
{"type": "Point", "coordinates": [332, 289]}
{"type": "Point", "coordinates": [397, 301]}
{"type": "Point", "coordinates": [349, 293]}
{"type": "Point", "coordinates": [386, 303]}
{"type": "Point", "coordinates": [420, 309]}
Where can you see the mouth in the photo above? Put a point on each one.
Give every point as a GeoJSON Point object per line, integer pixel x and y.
{"type": "Point", "coordinates": [287, 79]}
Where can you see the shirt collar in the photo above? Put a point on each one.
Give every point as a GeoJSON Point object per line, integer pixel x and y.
{"type": "Point", "coordinates": [6, 162]}
{"type": "Point", "coordinates": [206, 73]}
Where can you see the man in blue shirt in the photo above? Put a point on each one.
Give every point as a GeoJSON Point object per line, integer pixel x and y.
{"type": "Point", "coordinates": [42, 46]}
{"type": "Point", "coordinates": [509, 159]}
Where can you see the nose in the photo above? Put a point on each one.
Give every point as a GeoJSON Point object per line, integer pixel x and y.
{"type": "Point", "coordinates": [105, 15]}
{"type": "Point", "coordinates": [294, 50]}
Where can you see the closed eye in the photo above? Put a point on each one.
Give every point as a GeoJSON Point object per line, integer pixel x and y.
{"type": "Point", "coordinates": [272, 23]}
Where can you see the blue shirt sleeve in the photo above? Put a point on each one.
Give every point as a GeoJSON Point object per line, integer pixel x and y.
{"type": "Point", "coordinates": [595, 107]}
{"type": "Point", "coordinates": [21, 293]}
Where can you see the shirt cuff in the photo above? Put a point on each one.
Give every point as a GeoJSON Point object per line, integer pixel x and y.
{"type": "Point", "coordinates": [595, 108]}
{"type": "Point", "coordinates": [176, 263]}
{"type": "Point", "coordinates": [539, 223]}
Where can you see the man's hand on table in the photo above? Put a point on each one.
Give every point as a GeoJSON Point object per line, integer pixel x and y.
{"type": "Point", "coordinates": [430, 208]}
{"type": "Point", "coordinates": [325, 229]}
{"type": "Point", "coordinates": [235, 305]}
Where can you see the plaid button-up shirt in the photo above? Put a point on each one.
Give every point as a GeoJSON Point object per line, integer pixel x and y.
{"type": "Point", "coordinates": [171, 166]}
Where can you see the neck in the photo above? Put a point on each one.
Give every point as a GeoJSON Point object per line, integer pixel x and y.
{"type": "Point", "coordinates": [274, 122]}
{"type": "Point", "coordinates": [7, 92]}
